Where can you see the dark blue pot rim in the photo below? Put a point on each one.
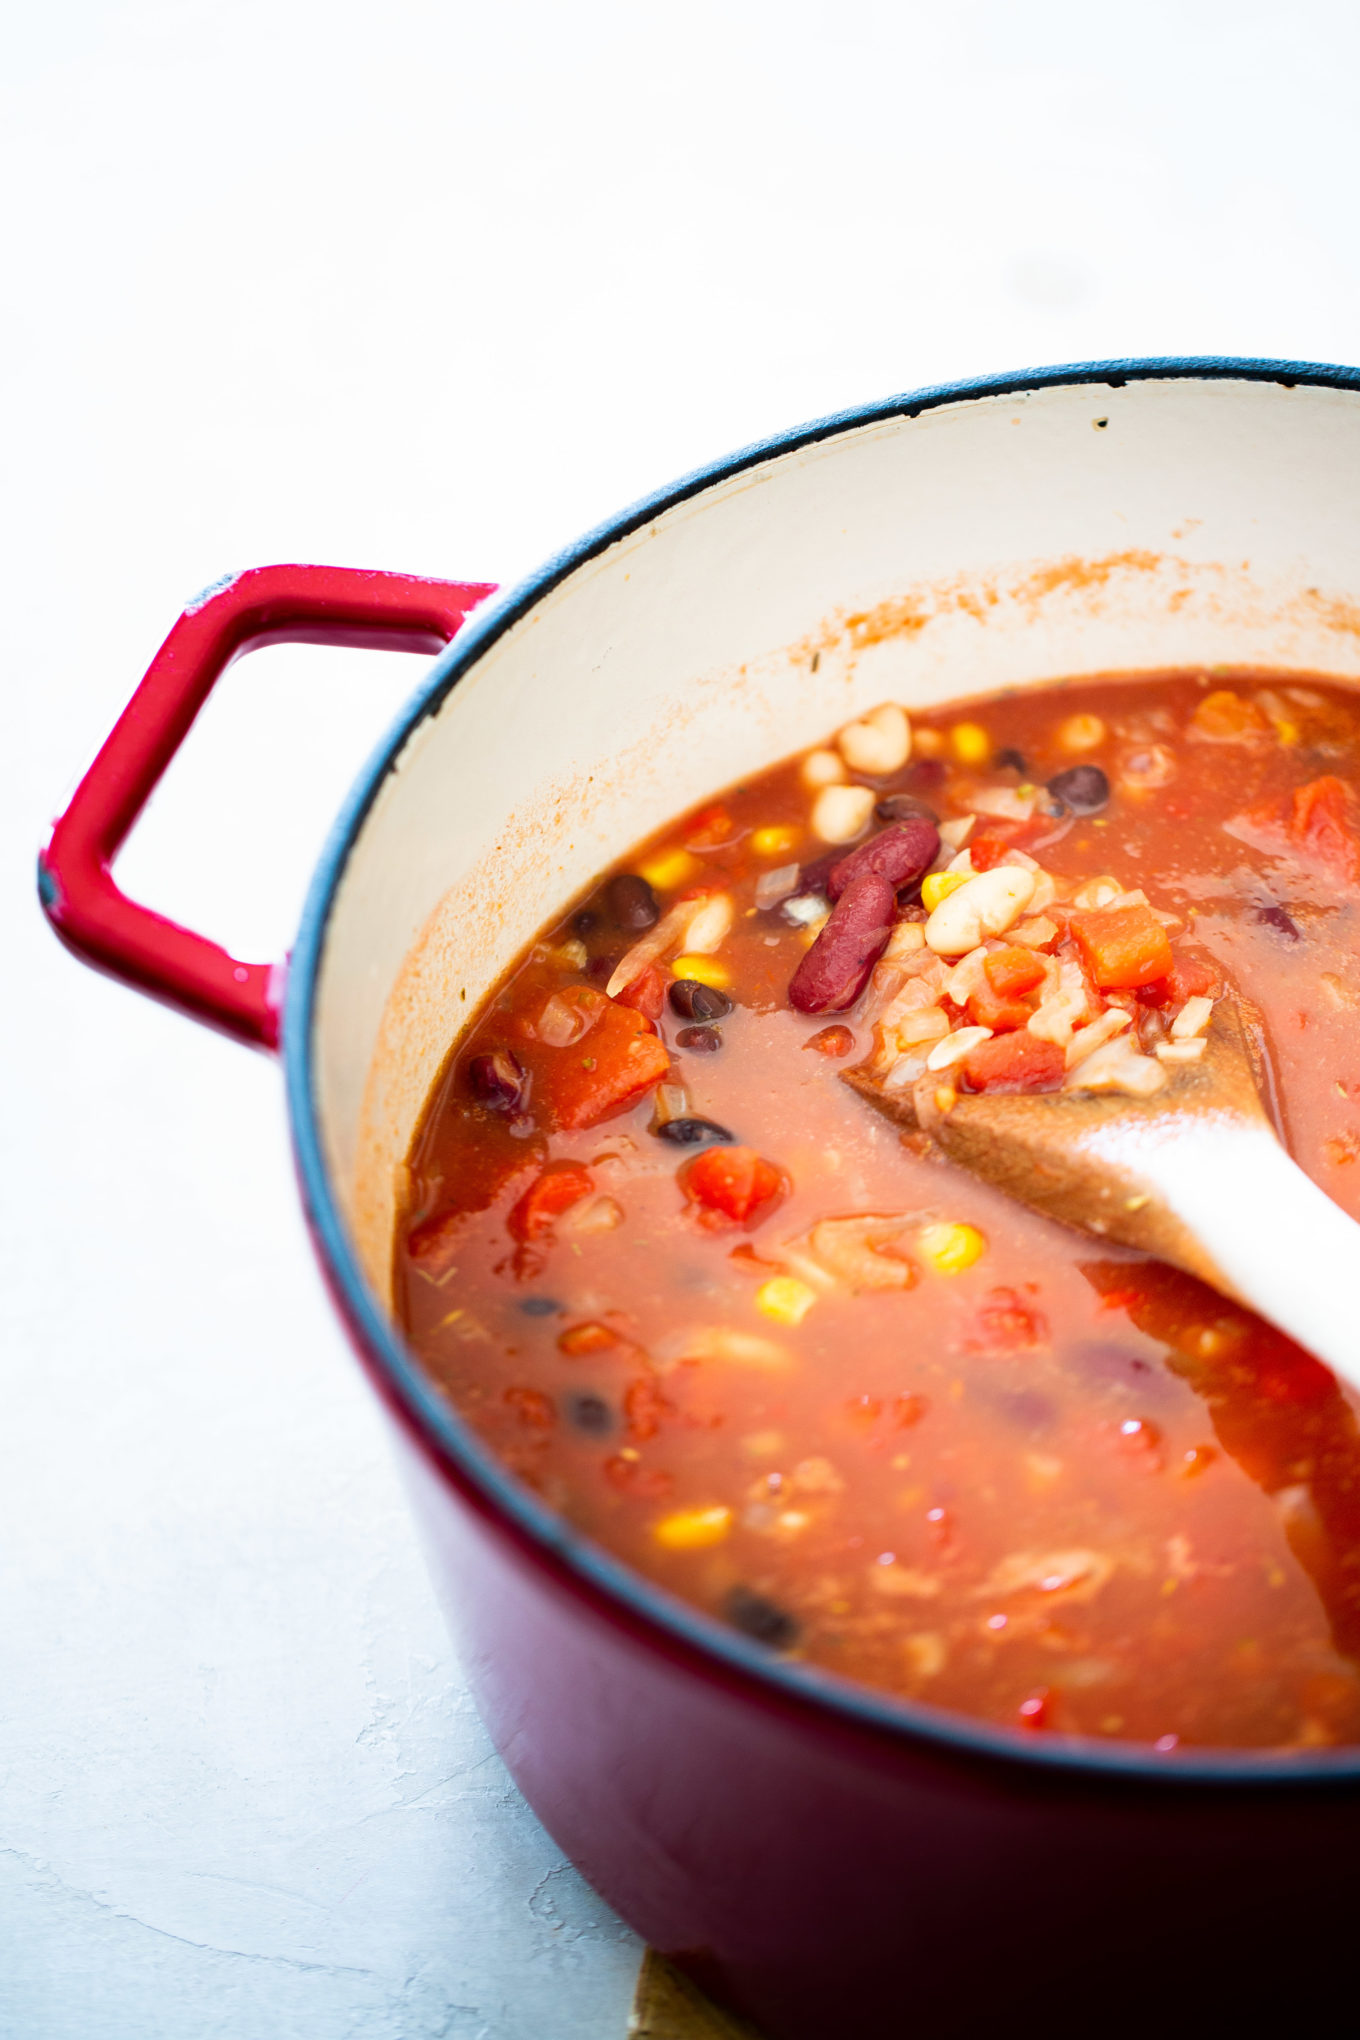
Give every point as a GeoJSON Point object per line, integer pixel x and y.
{"type": "Point", "coordinates": [647, 1605]}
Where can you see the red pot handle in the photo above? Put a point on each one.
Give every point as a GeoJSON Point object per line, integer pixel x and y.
{"type": "Point", "coordinates": [267, 606]}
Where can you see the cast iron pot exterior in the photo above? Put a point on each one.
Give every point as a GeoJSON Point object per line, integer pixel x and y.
{"type": "Point", "coordinates": [818, 1857]}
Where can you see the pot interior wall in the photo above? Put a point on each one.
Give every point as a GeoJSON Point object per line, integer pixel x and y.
{"type": "Point", "coordinates": [992, 542]}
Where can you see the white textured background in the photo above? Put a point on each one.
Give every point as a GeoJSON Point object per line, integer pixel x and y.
{"type": "Point", "coordinates": [430, 287]}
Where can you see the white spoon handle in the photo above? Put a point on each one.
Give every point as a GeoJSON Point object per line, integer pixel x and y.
{"type": "Point", "coordinates": [1281, 1243]}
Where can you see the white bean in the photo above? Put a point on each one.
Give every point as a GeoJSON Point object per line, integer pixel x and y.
{"type": "Point", "coordinates": [822, 768]}
{"type": "Point", "coordinates": [878, 745]}
{"type": "Point", "coordinates": [981, 906]}
{"type": "Point", "coordinates": [840, 813]}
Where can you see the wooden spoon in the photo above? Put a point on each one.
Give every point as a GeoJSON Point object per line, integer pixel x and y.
{"type": "Point", "coordinates": [1194, 1175]}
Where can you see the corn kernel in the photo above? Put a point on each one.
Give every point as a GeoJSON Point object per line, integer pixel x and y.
{"type": "Point", "coordinates": [970, 743]}
{"type": "Point", "coordinates": [670, 869]}
{"type": "Point", "coordinates": [1081, 733]}
{"type": "Point", "coordinates": [704, 970]}
{"type": "Point", "coordinates": [951, 1248]}
{"type": "Point", "coordinates": [785, 1299]}
{"type": "Point", "coordinates": [692, 1529]}
{"type": "Point", "coordinates": [773, 842]}
{"type": "Point", "coordinates": [939, 885]}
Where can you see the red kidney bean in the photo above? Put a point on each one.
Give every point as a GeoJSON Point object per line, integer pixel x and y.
{"type": "Point", "coordinates": [836, 968]}
{"type": "Point", "coordinates": [901, 854]}
{"type": "Point", "coordinates": [497, 1079]}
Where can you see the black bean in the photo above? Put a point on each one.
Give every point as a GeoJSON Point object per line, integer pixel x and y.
{"type": "Point", "coordinates": [758, 1616]}
{"type": "Point", "coordinates": [604, 967]}
{"type": "Point", "coordinates": [1275, 916]}
{"type": "Point", "coordinates": [904, 807]}
{"type": "Point", "coordinates": [589, 1413]}
{"type": "Point", "coordinates": [701, 1040]}
{"type": "Point", "coordinates": [497, 1079]}
{"type": "Point", "coordinates": [632, 903]}
{"type": "Point", "coordinates": [693, 1001]}
{"type": "Point", "coordinates": [539, 1306]}
{"type": "Point", "coordinates": [694, 1133]}
{"type": "Point", "coordinates": [1082, 788]}
{"type": "Point", "coordinates": [586, 922]}
{"type": "Point", "coordinates": [1015, 759]}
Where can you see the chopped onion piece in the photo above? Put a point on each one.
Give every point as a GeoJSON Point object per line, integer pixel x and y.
{"type": "Point", "coordinates": [956, 1046]}
{"type": "Point", "coordinates": [774, 886]}
{"type": "Point", "coordinates": [1181, 1051]}
{"type": "Point", "coordinates": [1192, 1019]}
{"type": "Point", "coordinates": [1088, 1039]}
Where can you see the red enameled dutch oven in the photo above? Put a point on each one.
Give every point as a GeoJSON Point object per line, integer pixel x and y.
{"type": "Point", "coordinates": [818, 1856]}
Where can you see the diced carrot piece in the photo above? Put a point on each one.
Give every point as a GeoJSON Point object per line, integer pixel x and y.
{"type": "Point", "coordinates": [987, 1009]}
{"type": "Point", "coordinates": [1013, 1062]}
{"type": "Point", "coordinates": [1011, 972]}
{"type": "Point", "coordinates": [731, 1183]}
{"type": "Point", "coordinates": [617, 1061]}
{"type": "Point", "coordinates": [1122, 947]}
{"type": "Point", "coordinates": [646, 994]}
{"type": "Point", "coordinates": [561, 1185]}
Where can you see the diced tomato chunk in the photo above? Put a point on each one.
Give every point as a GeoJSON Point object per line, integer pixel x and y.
{"type": "Point", "coordinates": [1316, 823]}
{"type": "Point", "coordinates": [1190, 977]}
{"type": "Point", "coordinates": [617, 1061]}
{"type": "Point", "coordinates": [532, 1407]}
{"type": "Point", "coordinates": [1013, 1062]}
{"type": "Point", "coordinates": [431, 1245]}
{"type": "Point", "coordinates": [646, 994]}
{"type": "Point", "coordinates": [710, 826]}
{"type": "Point", "coordinates": [986, 1009]}
{"type": "Point", "coordinates": [1122, 947]}
{"type": "Point", "coordinates": [731, 1183]}
{"type": "Point", "coordinates": [561, 1185]}
{"type": "Point", "coordinates": [644, 1408]}
{"type": "Point", "coordinates": [1013, 971]}
{"type": "Point", "coordinates": [989, 844]}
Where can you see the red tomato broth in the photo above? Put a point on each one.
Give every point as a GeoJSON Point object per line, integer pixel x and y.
{"type": "Point", "coordinates": [1060, 1487]}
